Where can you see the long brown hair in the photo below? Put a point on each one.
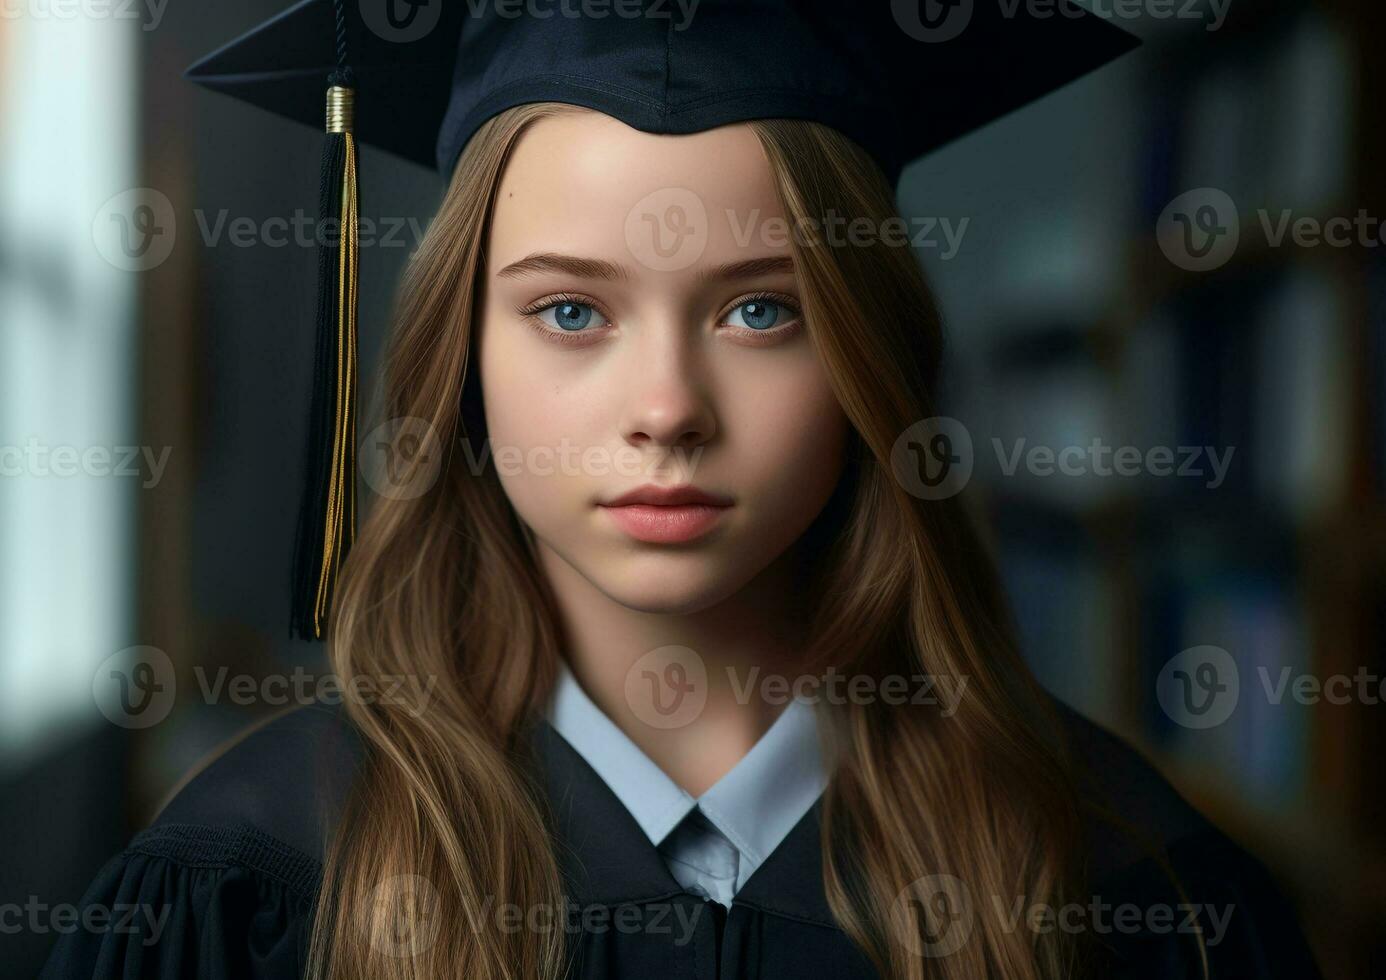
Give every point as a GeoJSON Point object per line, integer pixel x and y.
{"type": "Point", "coordinates": [443, 585]}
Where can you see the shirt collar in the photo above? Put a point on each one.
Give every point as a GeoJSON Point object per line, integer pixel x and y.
{"type": "Point", "coordinates": [655, 801]}
{"type": "Point", "coordinates": [755, 804]}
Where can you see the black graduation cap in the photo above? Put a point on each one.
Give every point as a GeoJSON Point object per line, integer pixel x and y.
{"type": "Point", "coordinates": [900, 77]}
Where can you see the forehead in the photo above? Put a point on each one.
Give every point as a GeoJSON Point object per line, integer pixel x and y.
{"type": "Point", "coordinates": [586, 183]}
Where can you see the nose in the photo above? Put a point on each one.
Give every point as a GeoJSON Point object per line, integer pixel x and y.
{"type": "Point", "coordinates": [668, 402]}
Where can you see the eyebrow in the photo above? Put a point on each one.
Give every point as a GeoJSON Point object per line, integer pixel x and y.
{"type": "Point", "coordinates": [540, 262]}
{"type": "Point", "coordinates": [571, 264]}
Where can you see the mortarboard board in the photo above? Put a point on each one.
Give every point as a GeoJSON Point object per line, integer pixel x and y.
{"type": "Point", "coordinates": [900, 77]}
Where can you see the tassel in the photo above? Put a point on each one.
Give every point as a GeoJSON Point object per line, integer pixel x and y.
{"type": "Point", "coordinates": [327, 511]}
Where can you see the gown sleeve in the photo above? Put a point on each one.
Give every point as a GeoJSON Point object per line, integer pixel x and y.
{"type": "Point", "coordinates": [1174, 896]}
{"type": "Point", "coordinates": [1220, 915]}
{"type": "Point", "coordinates": [190, 901]}
{"type": "Point", "coordinates": [1250, 926]}
{"type": "Point", "coordinates": [223, 885]}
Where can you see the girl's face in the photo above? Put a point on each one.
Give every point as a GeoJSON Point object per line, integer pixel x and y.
{"type": "Point", "coordinates": [640, 326]}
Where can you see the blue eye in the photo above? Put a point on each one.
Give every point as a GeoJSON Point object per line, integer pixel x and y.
{"type": "Point", "coordinates": [759, 314]}
{"type": "Point", "coordinates": [567, 316]}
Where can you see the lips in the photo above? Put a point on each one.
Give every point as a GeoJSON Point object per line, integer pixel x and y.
{"type": "Point", "coordinates": [666, 515]}
{"type": "Point", "coordinates": [668, 497]}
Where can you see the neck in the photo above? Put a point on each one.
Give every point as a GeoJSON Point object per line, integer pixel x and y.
{"type": "Point", "coordinates": [739, 640]}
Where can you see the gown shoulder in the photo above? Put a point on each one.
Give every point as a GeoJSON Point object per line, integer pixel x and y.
{"type": "Point", "coordinates": [1171, 895]}
{"type": "Point", "coordinates": [222, 883]}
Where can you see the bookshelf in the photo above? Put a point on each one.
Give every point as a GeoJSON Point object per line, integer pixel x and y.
{"type": "Point", "coordinates": [1279, 352]}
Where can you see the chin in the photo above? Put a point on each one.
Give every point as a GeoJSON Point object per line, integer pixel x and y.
{"type": "Point", "coordinates": [666, 584]}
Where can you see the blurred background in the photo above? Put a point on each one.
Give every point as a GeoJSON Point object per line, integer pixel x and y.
{"type": "Point", "coordinates": [1165, 292]}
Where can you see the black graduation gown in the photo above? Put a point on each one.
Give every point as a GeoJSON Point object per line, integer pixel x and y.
{"type": "Point", "coordinates": [231, 867]}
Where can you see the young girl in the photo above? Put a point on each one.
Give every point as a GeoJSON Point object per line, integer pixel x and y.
{"type": "Point", "coordinates": [701, 685]}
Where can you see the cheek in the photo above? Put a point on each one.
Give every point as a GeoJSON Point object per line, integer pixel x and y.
{"type": "Point", "coordinates": [517, 390]}
{"type": "Point", "coordinates": [793, 433]}
{"type": "Point", "coordinates": [524, 420]}
{"type": "Point", "coordinates": [518, 409]}
{"type": "Point", "coordinates": [517, 417]}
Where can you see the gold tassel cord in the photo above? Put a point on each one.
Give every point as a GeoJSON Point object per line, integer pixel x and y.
{"type": "Point", "coordinates": [340, 517]}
